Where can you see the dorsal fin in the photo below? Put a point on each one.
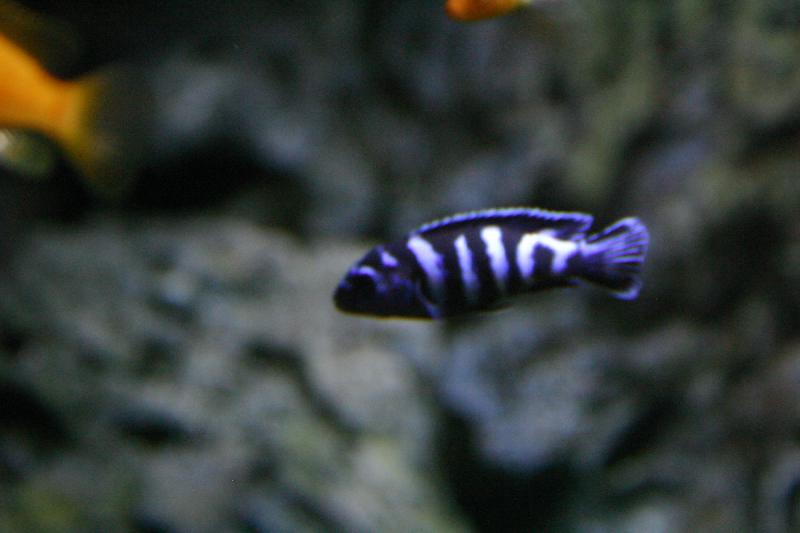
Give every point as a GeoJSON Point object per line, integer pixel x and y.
{"type": "Point", "coordinates": [528, 219]}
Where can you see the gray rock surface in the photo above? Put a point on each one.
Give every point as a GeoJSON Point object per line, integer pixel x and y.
{"type": "Point", "coordinates": [198, 380]}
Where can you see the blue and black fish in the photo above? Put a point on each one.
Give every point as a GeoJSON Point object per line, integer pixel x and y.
{"type": "Point", "coordinates": [476, 261]}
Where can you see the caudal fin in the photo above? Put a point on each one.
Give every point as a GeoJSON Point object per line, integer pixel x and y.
{"type": "Point", "coordinates": [613, 258]}
{"type": "Point", "coordinates": [112, 132]}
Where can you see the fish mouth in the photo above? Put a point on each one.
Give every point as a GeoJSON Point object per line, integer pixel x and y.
{"type": "Point", "coordinates": [343, 296]}
{"type": "Point", "coordinates": [358, 293]}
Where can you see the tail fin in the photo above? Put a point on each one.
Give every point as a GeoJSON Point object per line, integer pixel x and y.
{"type": "Point", "coordinates": [613, 258]}
{"type": "Point", "coordinates": [112, 131]}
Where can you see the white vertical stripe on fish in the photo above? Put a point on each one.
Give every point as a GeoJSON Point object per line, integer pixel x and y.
{"type": "Point", "coordinates": [525, 261]}
{"type": "Point", "coordinates": [562, 251]}
{"type": "Point", "coordinates": [492, 236]}
{"type": "Point", "coordinates": [468, 276]}
{"type": "Point", "coordinates": [388, 259]}
{"type": "Point", "coordinates": [431, 263]}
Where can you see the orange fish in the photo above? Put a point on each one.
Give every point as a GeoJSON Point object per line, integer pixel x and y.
{"type": "Point", "coordinates": [100, 133]}
{"type": "Point", "coordinates": [467, 10]}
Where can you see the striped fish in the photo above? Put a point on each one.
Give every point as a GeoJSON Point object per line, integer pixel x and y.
{"type": "Point", "coordinates": [476, 261]}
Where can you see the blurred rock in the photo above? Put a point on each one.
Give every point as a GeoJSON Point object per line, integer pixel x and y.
{"type": "Point", "coordinates": [187, 407]}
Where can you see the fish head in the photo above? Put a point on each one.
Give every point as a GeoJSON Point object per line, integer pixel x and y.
{"type": "Point", "coordinates": [378, 285]}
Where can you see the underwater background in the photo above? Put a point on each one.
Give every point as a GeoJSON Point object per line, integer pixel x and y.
{"type": "Point", "coordinates": [171, 360]}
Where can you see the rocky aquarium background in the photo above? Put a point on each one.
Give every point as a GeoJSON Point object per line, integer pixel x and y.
{"type": "Point", "coordinates": [171, 361]}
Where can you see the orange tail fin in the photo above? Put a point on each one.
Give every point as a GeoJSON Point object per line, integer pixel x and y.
{"type": "Point", "coordinates": [109, 135]}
